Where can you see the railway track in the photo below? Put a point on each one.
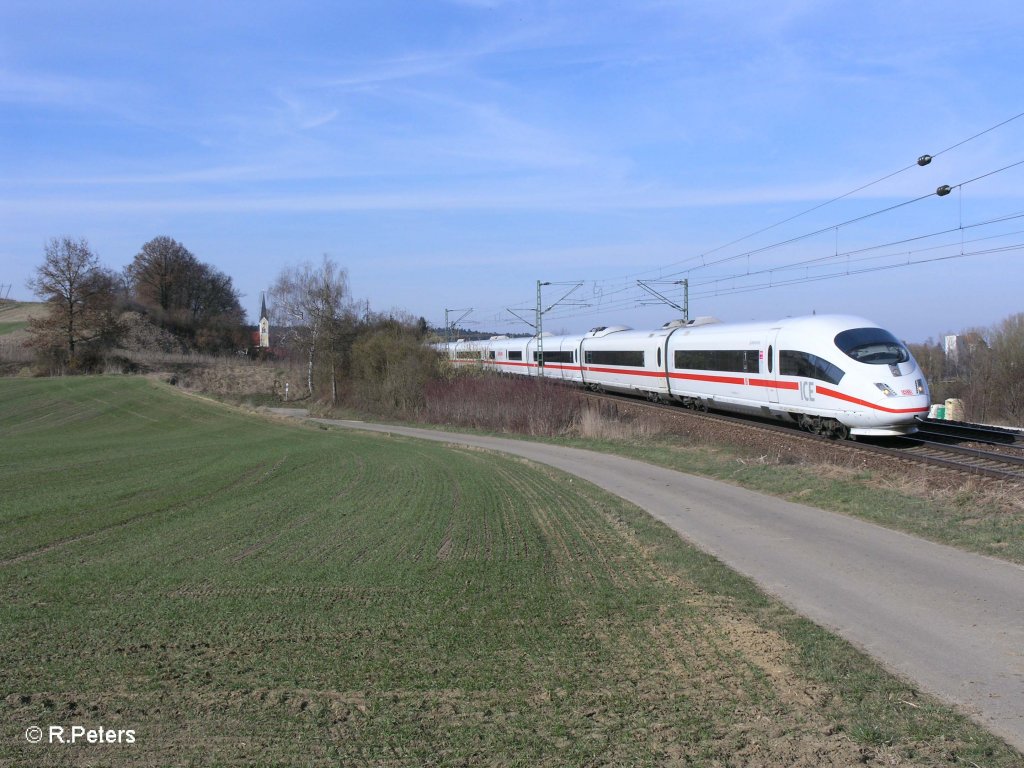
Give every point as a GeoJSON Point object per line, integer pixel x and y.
{"type": "Point", "coordinates": [937, 444]}
{"type": "Point", "coordinates": [988, 450]}
{"type": "Point", "coordinates": [958, 430]}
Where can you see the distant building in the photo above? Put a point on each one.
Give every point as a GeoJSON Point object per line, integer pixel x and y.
{"type": "Point", "coordinates": [950, 347]}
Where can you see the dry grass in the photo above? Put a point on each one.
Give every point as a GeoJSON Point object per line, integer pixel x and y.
{"type": "Point", "coordinates": [229, 376]}
{"type": "Point", "coordinates": [527, 406]}
{"type": "Point", "coordinates": [15, 359]}
{"type": "Point", "coordinates": [599, 422]}
{"type": "Point", "coordinates": [12, 350]}
{"type": "Point", "coordinates": [225, 376]}
{"type": "Point", "coordinates": [20, 311]}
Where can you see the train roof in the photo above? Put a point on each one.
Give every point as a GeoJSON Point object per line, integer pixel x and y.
{"type": "Point", "coordinates": [817, 324]}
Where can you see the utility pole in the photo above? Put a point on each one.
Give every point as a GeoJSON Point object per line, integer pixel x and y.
{"type": "Point", "coordinates": [448, 326]}
{"type": "Point", "coordinates": [540, 331]}
{"type": "Point", "coordinates": [541, 311]}
{"type": "Point", "coordinates": [684, 308]}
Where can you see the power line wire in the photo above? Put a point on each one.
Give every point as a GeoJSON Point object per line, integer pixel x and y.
{"type": "Point", "coordinates": [615, 287]}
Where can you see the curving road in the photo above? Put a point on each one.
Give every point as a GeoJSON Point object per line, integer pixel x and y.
{"type": "Point", "coordinates": [951, 621]}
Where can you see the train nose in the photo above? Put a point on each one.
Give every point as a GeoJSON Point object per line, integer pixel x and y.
{"type": "Point", "coordinates": [901, 388]}
{"type": "Point", "coordinates": [900, 400]}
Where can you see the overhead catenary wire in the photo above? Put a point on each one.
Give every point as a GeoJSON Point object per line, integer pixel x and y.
{"type": "Point", "coordinates": [836, 199]}
{"type": "Point", "coordinates": [697, 281]}
{"type": "Point", "coordinates": [621, 292]}
{"type": "Point", "coordinates": [849, 273]}
{"type": "Point", "coordinates": [822, 261]}
{"type": "Point", "coordinates": [979, 134]}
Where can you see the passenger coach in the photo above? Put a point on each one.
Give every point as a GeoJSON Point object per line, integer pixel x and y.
{"type": "Point", "coordinates": [831, 374]}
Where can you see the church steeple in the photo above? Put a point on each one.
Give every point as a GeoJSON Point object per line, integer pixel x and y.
{"type": "Point", "coordinates": [264, 322]}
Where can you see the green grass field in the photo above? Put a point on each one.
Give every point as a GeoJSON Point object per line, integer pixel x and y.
{"type": "Point", "coordinates": [242, 592]}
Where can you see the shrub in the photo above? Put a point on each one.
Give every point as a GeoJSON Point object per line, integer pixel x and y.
{"type": "Point", "coordinates": [391, 368]}
{"type": "Point", "coordinates": [520, 405]}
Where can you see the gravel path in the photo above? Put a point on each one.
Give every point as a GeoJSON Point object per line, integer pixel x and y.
{"type": "Point", "coordinates": [951, 621]}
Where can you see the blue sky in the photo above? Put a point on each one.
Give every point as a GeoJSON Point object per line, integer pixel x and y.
{"type": "Point", "coordinates": [451, 154]}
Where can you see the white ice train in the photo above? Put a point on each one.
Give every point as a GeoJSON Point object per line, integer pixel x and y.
{"type": "Point", "coordinates": [831, 374]}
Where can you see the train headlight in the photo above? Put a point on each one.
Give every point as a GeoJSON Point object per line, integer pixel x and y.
{"type": "Point", "coordinates": [920, 386]}
{"type": "Point", "coordinates": [886, 390]}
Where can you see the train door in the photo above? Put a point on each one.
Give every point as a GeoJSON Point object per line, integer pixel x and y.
{"type": "Point", "coordinates": [770, 364]}
{"type": "Point", "coordinates": [579, 361]}
{"type": "Point", "coordinates": [532, 368]}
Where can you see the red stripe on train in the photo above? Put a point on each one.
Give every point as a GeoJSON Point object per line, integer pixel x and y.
{"type": "Point", "coordinates": [857, 401]}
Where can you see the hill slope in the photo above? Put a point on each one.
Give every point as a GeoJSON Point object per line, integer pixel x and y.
{"type": "Point", "coordinates": [14, 317]}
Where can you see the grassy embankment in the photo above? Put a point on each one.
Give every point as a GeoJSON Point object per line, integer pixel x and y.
{"type": "Point", "coordinates": [239, 592]}
{"type": "Point", "coordinates": [14, 315]}
{"type": "Point", "coordinates": [973, 515]}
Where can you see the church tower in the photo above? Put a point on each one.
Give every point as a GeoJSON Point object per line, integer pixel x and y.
{"type": "Point", "coordinates": [264, 324]}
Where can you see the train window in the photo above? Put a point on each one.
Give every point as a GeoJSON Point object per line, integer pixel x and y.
{"type": "Point", "coordinates": [515, 355]}
{"type": "Point", "coordinates": [794, 363]}
{"type": "Point", "coordinates": [659, 357]}
{"type": "Point", "coordinates": [552, 356]}
{"type": "Point", "coordinates": [874, 346]}
{"type": "Point", "coordinates": [631, 358]}
{"type": "Point", "coordinates": [730, 360]}
{"type": "Point", "coordinates": [770, 358]}
{"type": "Point", "coordinates": [490, 355]}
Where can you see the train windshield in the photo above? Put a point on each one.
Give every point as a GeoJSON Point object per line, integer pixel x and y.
{"type": "Point", "coordinates": [874, 346]}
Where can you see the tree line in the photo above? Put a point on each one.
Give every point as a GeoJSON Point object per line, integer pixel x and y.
{"type": "Point", "coordinates": [984, 369]}
{"type": "Point", "coordinates": [349, 354]}
{"type": "Point", "coordinates": [91, 306]}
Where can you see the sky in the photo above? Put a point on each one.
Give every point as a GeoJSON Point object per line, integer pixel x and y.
{"type": "Point", "coordinates": [450, 154]}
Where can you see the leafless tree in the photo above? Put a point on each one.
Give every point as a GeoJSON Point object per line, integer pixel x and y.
{"type": "Point", "coordinates": [185, 295]}
{"type": "Point", "coordinates": [985, 369]}
{"type": "Point", "coordinates": [1007, 342]}
{"type": "Point", "coordinates": [81, 295]}
{"type": "Point", "coordinates": [311, 307]}
{"type": "Point", "coordinates": [160, 273]}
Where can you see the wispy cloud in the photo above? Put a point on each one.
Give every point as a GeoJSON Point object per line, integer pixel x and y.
{"type": "Point", "coordinates": [63, 90]}
{"type": "Point", "coordinates": [571, 127]}
{"type": "Point", "coordinates": [517, 195]}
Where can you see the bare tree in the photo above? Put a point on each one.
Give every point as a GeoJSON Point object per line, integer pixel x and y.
{"type": "Point", "coordinates": [160, 272]}
{"type": "Point", "coordinates": [81, 295]}
{"type": "Point", "coordinates": [185, 295]}
{"type": "Point", "coordinates": [1007, 340]}
{"type": "Point", "coordinates": [311, 307]}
